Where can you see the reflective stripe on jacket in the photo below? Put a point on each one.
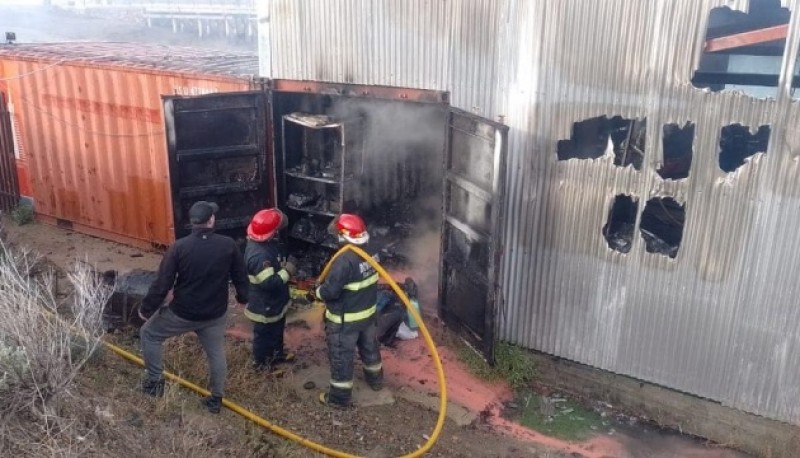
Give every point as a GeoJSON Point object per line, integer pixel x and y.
{"type": "Point", "coordinates": [269, 291]}
{"type": "Point", "coordinates": [350, 290]}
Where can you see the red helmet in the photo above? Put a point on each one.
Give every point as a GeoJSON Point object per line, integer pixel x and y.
{"type": "Point", "coordinates": [352, 228]}
{"type": "Point", "coordinates": [265, 224]}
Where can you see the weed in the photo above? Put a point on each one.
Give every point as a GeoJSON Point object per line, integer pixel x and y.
{"type": "Point", "coordinates": [46, 343]}
{"type": "Point", "coordinates": [512, 364]}
{"type": "Point", "coordinates": [22, 215]}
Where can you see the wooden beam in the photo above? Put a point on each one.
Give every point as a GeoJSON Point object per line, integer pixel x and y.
{"type": "Point", "coordinates": [752, 37]}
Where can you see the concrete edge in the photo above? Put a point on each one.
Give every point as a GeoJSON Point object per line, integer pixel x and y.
{"type": "Point", "coordinates": [672, 409]}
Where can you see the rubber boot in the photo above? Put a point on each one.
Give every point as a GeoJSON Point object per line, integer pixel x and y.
{"type": "Point", "coordinates": [336, 397]}
{"type": "Point", "coordinates": [374, 379]}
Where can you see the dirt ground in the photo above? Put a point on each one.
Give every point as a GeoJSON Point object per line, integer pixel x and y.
{"type": "Point", "coordinates": [134, 425]}
{"type": "Point", "coordinates": [139, 426]}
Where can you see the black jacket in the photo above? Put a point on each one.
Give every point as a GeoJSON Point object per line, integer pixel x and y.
{"type": "Point", "coordinates": [197, 268]}
{"type": "Point", "coordinates": [362, 292]}
{"type": "Point", "coordinates": [269, 290]}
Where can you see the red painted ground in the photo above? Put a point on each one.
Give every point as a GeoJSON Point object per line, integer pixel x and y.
{"type": "Point", "coordinates": [410, 365]}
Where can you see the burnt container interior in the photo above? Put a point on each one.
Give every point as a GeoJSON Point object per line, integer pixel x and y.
{"type": "Point", "coordinates": [380, 159]}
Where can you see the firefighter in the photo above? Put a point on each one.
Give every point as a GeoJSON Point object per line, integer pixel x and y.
{"type": "Point", "coordinates": [269, 268]}
{"type": "Point", "coordinates": [350, 294]}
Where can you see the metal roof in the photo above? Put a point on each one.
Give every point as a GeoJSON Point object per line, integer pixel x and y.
{"type": "Point", "coordinates": [176, 59]}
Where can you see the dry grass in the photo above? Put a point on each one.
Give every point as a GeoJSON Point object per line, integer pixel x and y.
{"type": "Point", "coordinates": [44, 343]}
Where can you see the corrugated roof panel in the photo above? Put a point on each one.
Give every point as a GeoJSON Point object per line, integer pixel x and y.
{"type": "Point", "coordinates": [142, 56]}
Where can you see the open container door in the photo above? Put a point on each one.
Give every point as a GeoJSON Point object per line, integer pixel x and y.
{"type": "Point", "coordinates": [469, 285]}
{"type": "Point", "coordinates": [9, 185]}
{"type": "Point", "coordinates": [218, 152]}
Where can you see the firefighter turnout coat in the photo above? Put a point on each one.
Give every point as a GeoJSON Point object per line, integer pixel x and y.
{"type": "Point", "coordinates": [350, 290]}
{"type": "Point", "coordinates": [269, 289]}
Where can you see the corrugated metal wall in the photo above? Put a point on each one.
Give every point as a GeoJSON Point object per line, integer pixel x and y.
{"type": "Point", "coordinates": [96, 153]}
{"type": "Point", "coordinates": [720, 320]}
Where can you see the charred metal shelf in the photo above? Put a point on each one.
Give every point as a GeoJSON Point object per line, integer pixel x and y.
{"type": "Point", "coordinates": [312, 211]}
{"type": "Point", "coordinates": [226, 223]}
{"type": "Point", "coordinates": [300, 176]}
{"type": "Point", "coordinates": [216, 153]}
{"type": "Point", "coordinates": [219, 189]}
{"type": "Point", "coordinates": [315, 242]}
{"type": "Point", "coordinates": [312, 121]}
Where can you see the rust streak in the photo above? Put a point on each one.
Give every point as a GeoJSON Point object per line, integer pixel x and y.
{"type": "Point", "coordinates": [149, 115]}
{"type": "Point", "coordinates": [752, 37]}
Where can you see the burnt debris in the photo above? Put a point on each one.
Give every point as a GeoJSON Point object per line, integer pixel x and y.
{"type": "Point", "coordinates": [737, 144]}
{"type": "Point", "coordinates": [591, 137]}
{"type": "Point", "coordinates": [662, 224]}
{"type": "Point", "coordinates": [130, 288]}
{"type": "Point", "coordinates": [677, 144]}
{"type": "Point", "coordinates": [313, 230]}
{"type": "Point", "coordinates": [619, 228]}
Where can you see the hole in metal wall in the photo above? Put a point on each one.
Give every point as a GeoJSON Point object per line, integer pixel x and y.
{"type": "Point", "coordinates": [737, 144]}
{"type": "Point", "coordinates": [592, 137]}
{"type": "Point", "coordinates": [742, 52]}
{"type": "Point", "coordinates": [619, 227]}
{"type": "Point", "coordinates": [677, 147]}
{"type": "Point", "coordinates": [662, 224]}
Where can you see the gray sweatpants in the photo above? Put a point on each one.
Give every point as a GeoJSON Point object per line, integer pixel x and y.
{"type": "Point", "coordinates": [165, 324]}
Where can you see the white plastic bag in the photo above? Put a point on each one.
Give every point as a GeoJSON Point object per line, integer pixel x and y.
{"type": "Point", "coordinates": [405, 333]}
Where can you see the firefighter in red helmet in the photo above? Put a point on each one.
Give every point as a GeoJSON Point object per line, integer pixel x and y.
{"type": "Point", "coordinates": [350, 293]}
{"type": "Point", "coordinates": [269, 268]}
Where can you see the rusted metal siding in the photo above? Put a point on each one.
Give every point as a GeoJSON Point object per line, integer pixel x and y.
{"type": "Point", "coordinates": [720, 320]}
{"type": "Point", "coordinates": [93, 131]}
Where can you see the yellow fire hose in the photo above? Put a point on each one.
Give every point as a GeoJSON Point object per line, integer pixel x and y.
{"type": "Point", "coordinates": [302, 440]}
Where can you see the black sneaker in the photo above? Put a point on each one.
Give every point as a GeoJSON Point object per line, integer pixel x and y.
{"type": "Point", "coordinates": [153, 388]}
{"type": "Point", "coordinates": [213, 403]}
{"type": "Point", "coordinates": [375, 385]}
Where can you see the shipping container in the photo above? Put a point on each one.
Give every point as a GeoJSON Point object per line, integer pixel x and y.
{"type": "Point", "coordinates": [427, 178]}
{"type": "Point", "coordinates": [88, 125]}
{"type": "Point", "coordinates": [119, 140]}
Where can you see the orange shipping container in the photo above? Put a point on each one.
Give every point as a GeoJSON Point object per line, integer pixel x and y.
{"type": "Point", "coordinates": [89, 124]}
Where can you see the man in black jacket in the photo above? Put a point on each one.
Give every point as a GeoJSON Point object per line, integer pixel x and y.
{"type": "Point", "coordinates": [197, 269]}
{"type": "Point", "coordinates": [350, 292]}
{"type": "Point", "coordinates": [269, 268]}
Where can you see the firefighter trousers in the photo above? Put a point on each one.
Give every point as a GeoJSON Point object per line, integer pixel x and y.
{"type": "Point", "coordinates": [343, 339]}
{"type": "Point", "coordinates": [268, 342]}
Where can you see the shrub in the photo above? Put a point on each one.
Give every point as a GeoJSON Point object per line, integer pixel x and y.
{"type": "Point", "coordinates": [44, 343]}
{"type": "Point", "coordinates": [512, 364]}
{"type": "Point", "coordinates": [23, 215]}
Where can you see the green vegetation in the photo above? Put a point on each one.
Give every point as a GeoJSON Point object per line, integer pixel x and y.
{"type": "Point", "coordinates": [512, 364]}
{"type": "Point", "coordinates": [22, 215]}
{"type": "Point", "coordinates": [561, 418]}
